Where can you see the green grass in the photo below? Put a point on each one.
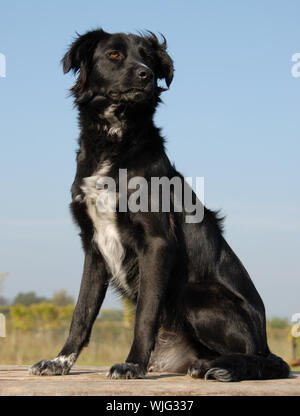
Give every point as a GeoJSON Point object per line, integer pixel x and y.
{"type": "Point", "coordinates": [279, 342]}
{"type": "Point", "coordinates": [110, 343]}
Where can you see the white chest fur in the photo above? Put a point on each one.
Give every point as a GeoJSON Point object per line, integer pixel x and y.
{"type": "Point", "coordinates": [101, 204]}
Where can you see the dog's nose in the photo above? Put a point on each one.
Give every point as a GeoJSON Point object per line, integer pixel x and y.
{"type": "Point", "coordinates": [144, 74]}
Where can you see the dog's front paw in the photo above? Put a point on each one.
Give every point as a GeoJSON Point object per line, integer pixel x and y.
{"type": "Point", "coordinates": [126, 370]}
{"type": "Point", "coordinates": [61, 365]}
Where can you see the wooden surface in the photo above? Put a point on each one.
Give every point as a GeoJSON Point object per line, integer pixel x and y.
{"type": "Point", "coordinates": [91, 381]}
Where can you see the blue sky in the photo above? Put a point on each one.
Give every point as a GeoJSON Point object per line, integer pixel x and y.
{"type": "Point", "coordinates": [231, 116]}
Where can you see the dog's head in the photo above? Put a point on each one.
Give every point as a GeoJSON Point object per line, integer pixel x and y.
{"type": "Point", "coordinates": [115, 68]}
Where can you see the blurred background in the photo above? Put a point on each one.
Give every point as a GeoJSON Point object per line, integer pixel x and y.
{"type": "Point", "coordinates": [230, 116]}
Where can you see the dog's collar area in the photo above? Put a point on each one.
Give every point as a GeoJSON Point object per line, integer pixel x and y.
{"type": "Point", "coordinates": [114, 131]}
{"type": "Point", "coordinates": [112, 117]}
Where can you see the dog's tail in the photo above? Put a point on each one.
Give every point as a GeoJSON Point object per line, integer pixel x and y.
{"type": "Point", "coordinates": [237, 367]}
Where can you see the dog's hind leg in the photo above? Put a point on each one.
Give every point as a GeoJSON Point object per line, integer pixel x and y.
{"type": "Point", "coordinates": [92, 292]}
{"type": "Point", "coordinates": [227, 325]}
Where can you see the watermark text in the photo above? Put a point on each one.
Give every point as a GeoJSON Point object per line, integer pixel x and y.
{"type": "Point", "coordinates": [295, 70]}
{"type": "Point", "coordinates": [296, 327]}
{"type": "Point", "coordinates": [2, 325]}
{"type": "Point", "coordinates": [2, 65]}
{"type": "Point", "coordinates": [155, 194]}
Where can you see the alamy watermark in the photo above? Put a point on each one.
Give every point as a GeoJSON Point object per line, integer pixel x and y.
{"type": "Point", "coordinates": [157, 194]}
{"type": "Point", "coordinates": [295, 331]}
{"type": "Point", "coordinates": [2, 325]}
{"type": "Point", "coordinates": [2, 65]}
{"type": "Point", "coordinates": [295, 70]}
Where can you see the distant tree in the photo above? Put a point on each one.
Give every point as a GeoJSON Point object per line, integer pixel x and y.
{"type": "Point", "coordinates": [41, 316]}
{"type": "Point", "coordinates": [278, 323]}
{"type": "Point", "coordinates": [3, 301]}
{"type": "Point", "coordinates": [61, 298]}
{"type": "Point", "coordinates": [128, 312]}
{"type": "Point", "coordinates": [28, 299]}
{"type": "Point", "coordinates": [111, 315]}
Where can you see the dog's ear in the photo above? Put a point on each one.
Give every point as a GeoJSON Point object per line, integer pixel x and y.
{"type": "Point", "coordinates": [164, 63]}
{"type": "Point", "coordinates": [81, 50]}
{"type": "Point", "coordinates": [79, 59]}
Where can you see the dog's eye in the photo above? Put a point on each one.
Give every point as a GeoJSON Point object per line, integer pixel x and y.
{"type": "Point", "coordinates": [114, 55]}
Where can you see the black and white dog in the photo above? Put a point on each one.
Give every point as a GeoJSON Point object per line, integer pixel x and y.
{"type": "Point", "coordinates": [197, 310]}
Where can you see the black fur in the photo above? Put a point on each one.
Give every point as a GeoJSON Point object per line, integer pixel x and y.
{"type": "Point", "coordinates": [196, 308]}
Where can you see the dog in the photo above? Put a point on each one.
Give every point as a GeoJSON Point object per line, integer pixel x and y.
{"type": "Point", "coordinates": [197, 310]}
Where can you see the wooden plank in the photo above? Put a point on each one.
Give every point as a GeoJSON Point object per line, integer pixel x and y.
{"type": "Point", "coordinates": [91, 381]}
